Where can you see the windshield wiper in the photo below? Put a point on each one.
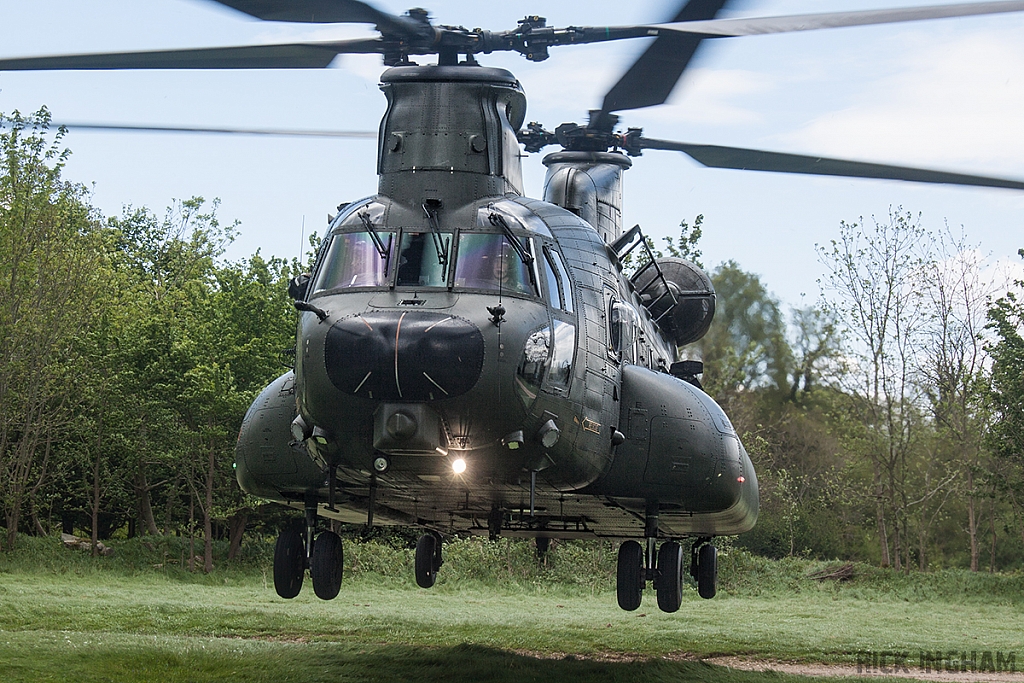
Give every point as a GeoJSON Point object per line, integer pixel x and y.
{"type": "Point", "coordinates": [382, 249]}
{"type": "Point", "coordinates": [430, 209]}
{"type": "Point", "coordinates": [498, 220]}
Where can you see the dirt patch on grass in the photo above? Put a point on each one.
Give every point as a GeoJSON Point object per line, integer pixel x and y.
{"type": "Point", "coordinates": [911, 670]}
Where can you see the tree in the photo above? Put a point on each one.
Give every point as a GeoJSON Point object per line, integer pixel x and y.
{"type": "Point", "coordinates": [953, 366]}
{"type": "Point", "coordinates": [746, 347]}
{"type": "Point", "coordinates": [1006, 436]}
{"type": "Point", "coordinates": [50, 280]}
{"type": "Point", "coordinates": [686, 246]}
{"type": "Point", "coordinates": [874, 274]}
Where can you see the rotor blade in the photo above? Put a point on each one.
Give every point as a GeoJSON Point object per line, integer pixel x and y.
{"type": "Point", "coordinates": [325, 12]}
{"type": "Point", "coordinates": [812, 22]}
{"type": "Point", "coordinates": [651, 78]}
{"type": "Point", "coordinates": [316, 55]}
{"type": "Point", "coordinates": [280, 132]}
{"type": "Point", "coordinates": [738, 158]}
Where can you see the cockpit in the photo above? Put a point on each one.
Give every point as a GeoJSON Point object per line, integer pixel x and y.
{"type": "Point", "coordinates": [492, 257]}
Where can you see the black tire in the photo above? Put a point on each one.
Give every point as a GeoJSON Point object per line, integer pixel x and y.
{"type": "Point", "coordinates": [670, 576]}
{"type": "Point", "coordinates": [707, 571]}
{"type": "Point", "coordinates": [289, 563]}
{"type": "Point", "coordinates": [629, 575]}
{"type": "Point", "coordinates": [327, 565]}
{"type": "Point", "coordinates": [427, 554]}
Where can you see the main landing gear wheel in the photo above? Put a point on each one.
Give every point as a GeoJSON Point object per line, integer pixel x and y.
{"type": "Point", "coordinates": [326, 565]}
{"type": "Point", "coordinates": [707, 571]}
{"type": "Point", "coordinates": [289, 562]}
{"type": "Point", "coordinates": [629, 576]}
{"type": "Point", "coordinates": [428, 560]}
{"type": "Point", "coordinates": [670, 577]}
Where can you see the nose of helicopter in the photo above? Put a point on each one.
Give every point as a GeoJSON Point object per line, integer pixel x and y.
{"type": "Point", "coordinates": [404, 355]}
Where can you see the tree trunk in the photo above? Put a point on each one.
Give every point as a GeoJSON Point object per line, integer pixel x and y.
{"type": "Point", "coordinates": [191, 530]}
{"type": "Point", "coordinates": [211, 468]}
{"type": "Point", "coordinates": [883, 538]}
{"type": "Point", "coordinates": [992, 530]}
{"type": "Point", "coordinates": [922, 546]}
{"type": "Point", "coordinates": [236, 527]}
{"type": "Point", "coordinates": [36, 524]}
{"type": "Point", "coordinates": [97, 490]}
{"type": "Point", "coordinates": [145, 502]}
{"type": "Point", "coordinates": [169, 507]}
{"type": "Point", "coordinates": [972, 521]}
{"type": "Point", "coordinates": [12, 517]}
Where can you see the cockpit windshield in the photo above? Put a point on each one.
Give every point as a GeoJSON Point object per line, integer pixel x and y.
{"type": "Point", "coordinates": [417, 258]}
{"type": "Point", "coordinates": [353, 260]}
{"type": "Point", "coordinates": [489, 261]}
{"type": "Point", "coordinates": [423, 259]}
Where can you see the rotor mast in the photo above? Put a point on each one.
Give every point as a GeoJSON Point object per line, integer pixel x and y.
{"type": "Point", "coordinates": [451, 131]}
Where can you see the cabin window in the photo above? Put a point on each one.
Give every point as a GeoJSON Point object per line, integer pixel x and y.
{"type": "Point", "coordinates": [488, 261]}
{"type": "Point", "coordinates": [354, 259]}
{"type": "Point", "coordinates": [423, 259]}
{"type": "Point", "coordinates": [622, 326]}
{"type": "Point", "coordinates": [534, 365]}
{"type": "Point", "coordinates": [562, 352]}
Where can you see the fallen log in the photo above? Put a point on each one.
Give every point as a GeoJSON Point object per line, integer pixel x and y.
{"type": "Point", "coordinates": [71, 541]}
{"type": "Point", "coordinates": [841, 573]}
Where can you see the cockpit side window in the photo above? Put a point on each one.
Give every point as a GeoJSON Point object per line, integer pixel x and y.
{"type": "Point", "coordinates": [419, 262]}
{"type": "Point", "coordinates": [554, 260]}
{"type": "Point", "coordinates": [554, 287]}
{"type": "Point", "coordinates": [353, 260]}
{"type": "Point", "coordinates": [489, 261]}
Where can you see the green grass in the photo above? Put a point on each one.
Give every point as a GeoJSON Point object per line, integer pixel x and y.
{"type": "Point", "coordinates": [492, 616]}
{"type": "Point", "coordinates": [78, 658]}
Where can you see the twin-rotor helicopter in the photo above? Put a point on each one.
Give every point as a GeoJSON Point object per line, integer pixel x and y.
{"type": "Point", "coordinates": [470, 360]}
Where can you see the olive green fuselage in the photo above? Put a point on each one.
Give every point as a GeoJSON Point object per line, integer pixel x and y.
{"type": "Point", "coordinates": [451, 322]}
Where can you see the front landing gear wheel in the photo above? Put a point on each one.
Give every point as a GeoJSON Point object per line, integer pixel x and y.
{"type": "Point", "coordinates": [629, 576]}
{"type": "Point", "coordinates": [326, 565]}
{"type": "Point", "coordinates": [289, 563]}
{"type": "Point", "coordinates": [428, 560]}
{"type": "Point", "coordinates": [707, 571]}
{"type": "Point", "coordinates": [670, 577]}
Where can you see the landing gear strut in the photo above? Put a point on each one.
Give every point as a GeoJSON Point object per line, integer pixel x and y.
{"type": "Point", "coordinates": [295, 552]}
{"type": "Point", "coordinates": [638, 564]}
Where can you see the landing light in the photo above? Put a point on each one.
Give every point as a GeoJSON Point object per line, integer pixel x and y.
{"type": "Point", "coordinates": [458, 466]}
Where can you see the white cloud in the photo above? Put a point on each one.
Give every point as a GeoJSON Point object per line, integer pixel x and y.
{"type": "Point", "coordinates": [954, 104]}
{"type": "Point", "coordinates": [709, 96]}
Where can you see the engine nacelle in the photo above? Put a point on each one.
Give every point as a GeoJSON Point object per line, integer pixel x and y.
{"type": "Point", "coordinates": [689, 317]}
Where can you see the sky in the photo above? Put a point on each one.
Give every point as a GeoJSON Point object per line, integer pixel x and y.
{"type": "Point", "coordinates": [946, 94]}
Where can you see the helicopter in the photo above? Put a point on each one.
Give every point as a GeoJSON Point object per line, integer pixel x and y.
{"type": "Point", "coordinates": [470, 360]}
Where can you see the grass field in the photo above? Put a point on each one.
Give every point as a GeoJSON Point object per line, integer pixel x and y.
{"type": "Point", "coordinates": [69, 617]}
